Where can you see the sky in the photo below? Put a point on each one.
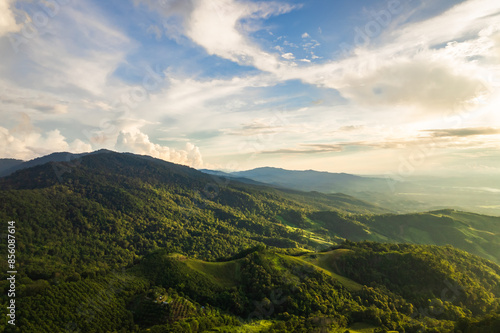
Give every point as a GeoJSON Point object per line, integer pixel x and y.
{"type": "Point", "coordinates": [394, 87]}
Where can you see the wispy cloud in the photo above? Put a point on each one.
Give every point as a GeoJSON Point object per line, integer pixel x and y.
{"type": "Point", "coordinates": [463, 132]}
{"type": "Point", "coordinates": [306, 149]}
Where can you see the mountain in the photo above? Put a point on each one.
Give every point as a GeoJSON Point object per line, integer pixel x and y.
{"type": "Point", "coordinates": [311, 180]}
{"type": "Point", "coordinates": [383, 192]}
{"type": "Point", "coordinates": [403, 194]}
{"type": "Point", "coordinates": [102, 236]}
{"type": "Point", "coordinates": [16, 165]}
{"type": "Point", "coordinates": [8, 163]}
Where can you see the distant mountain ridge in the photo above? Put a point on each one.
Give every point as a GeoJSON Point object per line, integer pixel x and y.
{"type": "Point", "coordinates": [310, 180]}
{"type": "Point", "coordinates": [7, 168]}
{"type": "Point", "coordinates": [8, 163]}
{"type": "Point", "coordinates": [401, 194]}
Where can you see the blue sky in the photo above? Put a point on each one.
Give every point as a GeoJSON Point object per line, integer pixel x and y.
{"type": "Point", "coordinates": [370, 87]}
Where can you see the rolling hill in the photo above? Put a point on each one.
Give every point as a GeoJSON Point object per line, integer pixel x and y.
{"type": "Point", "coordinates": [282, 291]}
{"type": "Point", "coordinates": [133, 228]}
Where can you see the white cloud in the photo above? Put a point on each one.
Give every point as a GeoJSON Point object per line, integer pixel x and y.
{"type": "Point", "coordinates": [187, 96]}
{"type": "Point", "coordinates": [57, 58]}
{"type": "Point", "coordinates": [217, 27]}
{"type": "Point", "coordinates": [18, 99]}
{"type": "Point", "coordinates": [137, 142]}
{"type": "Point", "coordinates": [7, 18]}
{"type": "Point", "coordinates": [26, 142]}
{"type": "Point", "coordinates": [432, 85]}
{"type": "Point", "coordinates": [305, 35]}
{"type": "Point", "coordinates": [288, 56]}
{"type": "Point", "coordinates": [417, 65]}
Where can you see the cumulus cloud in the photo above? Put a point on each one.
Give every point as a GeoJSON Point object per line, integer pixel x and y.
{"type": "Point", "coordinates": [137, 142]}
{"type": "Point", "coordinates": [288, 56]}
{"type": "Point", "coordinates": [27, 142]}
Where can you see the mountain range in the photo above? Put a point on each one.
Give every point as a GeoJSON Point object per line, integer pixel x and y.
{"type": "Point", "coordinates": [406, 194]}
{"type": "Point", "coordinates": [115, 241]}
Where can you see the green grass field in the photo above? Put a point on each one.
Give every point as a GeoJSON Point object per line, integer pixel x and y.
{"type": "Point", "coordinates": [224, 274]}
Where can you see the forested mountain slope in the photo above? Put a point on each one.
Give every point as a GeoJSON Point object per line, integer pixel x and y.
{"type": "Point", "coordinates": [108, 219]}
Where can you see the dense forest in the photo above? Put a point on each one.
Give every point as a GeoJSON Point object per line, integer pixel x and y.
{"type": "Point", "coordinates": [123, 243]}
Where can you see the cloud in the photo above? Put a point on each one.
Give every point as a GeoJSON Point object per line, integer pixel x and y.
{"type": "Point", "coordinates": [32, 100]}
{"type": "Point", "coordinates": [7, 18]}
{"type": "Point", "coordinates": [222, 27]}
{"type": "Point", "coordinates": [188, 96]}
{"type": "Point", "coordinates": [255, 128]}
{"type": "Point", "coordinates": [137, 142]}
{"type": "Point", "coordinates": [395, 71]}
{"type": "Point", "coordinates": [463, 132]}
{"type": "Point", "coordinates": [27, 142]}
{"type": "Point", "coordinates": [307, 149]}
{"type": "Point", "coordinates": [155, 31]}
{"type": "Point", "coordinates": [416, 65]}
{"type": "Point", "coordinates": [350, 128]}
{"type": "Point", "coordinates": [428, 84]}
{"type": "Point", "coordinates": [60, 59]}
{"type": "Point", "coordinates": [217, 27]}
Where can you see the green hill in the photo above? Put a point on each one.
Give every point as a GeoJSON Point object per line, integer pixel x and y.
{"type": "Point", "coordinates": [275, 291]}
{"type": "Point", "coordinates": [474, 233]}
{"type": "Point", "coordinates": [102, 237]}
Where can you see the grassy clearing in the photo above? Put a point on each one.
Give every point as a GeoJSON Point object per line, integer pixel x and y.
{"type": "Point", "coordinates": [320, 263]}
{"type": "Point", "coordinates": [224, 274]}
{"type": "Point", "coordinates": [326, 261]}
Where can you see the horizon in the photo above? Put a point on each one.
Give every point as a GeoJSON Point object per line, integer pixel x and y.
{"type": "Point", "coordinates": [370, 88]}
{"type": "Point", "coordinates": [390, 177]}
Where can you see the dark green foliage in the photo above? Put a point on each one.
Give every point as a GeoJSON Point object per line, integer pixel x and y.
{"type": "Point", "coordinates": [86, 306]}
{"type": "Point", "coordinates": [427, 276]}
{"type": "Point", "coordinates": [78, 222]}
